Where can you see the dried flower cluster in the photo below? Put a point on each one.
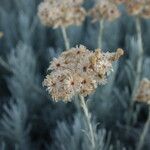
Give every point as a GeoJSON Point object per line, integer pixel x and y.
{"type": "Point", "coordinates": [104, 9]}
{"type": "Point", "coordinates": [138, 7]}
{"type": "Point", "coordinates": [78, 71]}
{"type": "Point", "coordinates": [61, 13]}
{"type": "Point", "coordinates": [143, 94]}
{"type": "Point", "coordinates": [118, 1]}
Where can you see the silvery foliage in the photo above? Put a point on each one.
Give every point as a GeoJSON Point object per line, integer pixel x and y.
{"type": "Point", "coordinates": [109, 105]}
{"type": "Point", "coordinates": [75, 136]}
{"type": "Point", "coordinates": [19, 22]}
{"type": "Point", "coordinates": [22, 62]}
{"type": "Point", "coordinates": [3, 146]}
{"type": "Point", "coordinates": [13, 124]}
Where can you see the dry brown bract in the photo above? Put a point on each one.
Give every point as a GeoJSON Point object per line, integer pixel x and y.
{"type": "Point", "coordinates": [104, 9]}
{"type": "Point", "coordinates": [78, 71]}
{"type": "Point", "coordinates": [61, 13]}
{"type": "Point", "coordinates": [143, 94]}
{"type": "Point", "coordinates": [139, 8]}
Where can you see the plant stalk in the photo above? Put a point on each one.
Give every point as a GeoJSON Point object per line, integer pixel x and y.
{"type": "Point", "coordinates": [88, 121]}
{"type": "Point", "coordinates": [65, 37]}
{"type": "Point", "coordinates": [144, 132]}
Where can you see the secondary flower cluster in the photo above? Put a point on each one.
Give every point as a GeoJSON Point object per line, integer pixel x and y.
{"type": "Point", "coordinates": [104, 9]}
{"type": "Point", "coordinates": [61, 13]}
{"type": "Point", "coordinates": [78, 71]}
{"type": "Point", "coordinates": [143, 94]}
{"type": "Point", "coordinates": [138, 7]}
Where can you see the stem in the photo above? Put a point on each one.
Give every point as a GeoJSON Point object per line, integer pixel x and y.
{"type": "Point", "coordinates": [66, 40]}
{"type": "Point", "coordinates": [138, 68]}
{"type": "Point", "coordinates": [88, 120]}
{"type": "Point", "coordinates": [101, 32]}
{"type": "Point", "coordinates": [144, 132]}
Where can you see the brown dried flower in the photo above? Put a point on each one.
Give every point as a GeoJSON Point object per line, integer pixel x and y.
{"type": "Point", "coordinates": [104, 9]}
{"type": "Point", "coordinates": [143, 93]}
{"type": "Point", "coordinates": [139, 8]}
{"type": "Point", "coordinates": [78, 71]}
{"type": "Point", "coordinates": [61, 13]}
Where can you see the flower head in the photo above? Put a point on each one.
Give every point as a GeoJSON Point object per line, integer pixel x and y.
{"type": "Point", "coordinates": [78, 71]}
{"type": "Point", "coordinates": [143, 93]}
{"type": "Point", "coordinates": [104, 9]}
{"type": "Point", "coordinates": [138, 8]}
{"type": "Point", "coordinates": [61, 13]}
{"type": "Point", "coordinates": [118, 1]}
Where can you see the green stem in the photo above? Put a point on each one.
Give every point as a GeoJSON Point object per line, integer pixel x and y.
{"type": "Point", "coordinates": [88, 121]}
{"type": "Point", "coordinates": [101, 32]}
{"type": "Point", "coordinates": [65, 37]}
{"type": "Point", "coordinates": [144, 132]}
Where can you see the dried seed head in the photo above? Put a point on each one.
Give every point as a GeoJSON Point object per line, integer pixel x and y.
{"type": "Point", "coordinates": [118, 1]}
{"type": "Point", "coordinates": [139, 8]}
{"type": "Point", "coordinates": [143, 93]}
{"type": "Point", "coordinates": [82, 73]}
{"type": "Point", "coordinates": [104, 10]}
{"type": "Point", "coordinates": [61, 13]}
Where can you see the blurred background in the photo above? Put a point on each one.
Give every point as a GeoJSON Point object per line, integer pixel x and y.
{"type": "Point", "coordinates": [30, 120]}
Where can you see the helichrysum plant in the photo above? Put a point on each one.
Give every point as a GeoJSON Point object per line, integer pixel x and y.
{"type": "Point", "coordinates": [143, 95]}
{"type": "Point", "coordinates": [104, 10]}
{"type": "Point", "coordinates": [78, 71]}
{"type": "Point", "coordinates": [62, 13]}
{"type": "Point", "coordinates": [138, 9]}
